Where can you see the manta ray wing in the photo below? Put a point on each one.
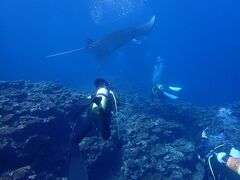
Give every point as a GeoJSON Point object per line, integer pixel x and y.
{"type": "Point", "coordinates": [117, 39]}
{"type": "Point", "coordinates": [103, 47]}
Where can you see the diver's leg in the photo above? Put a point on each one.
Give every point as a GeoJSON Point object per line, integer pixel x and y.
{"type": "Point", "coordinates": [105, 126]}
{"type": "Point", "coordinates": [152, 97]}
{"type": "Point", "coordinates": [76, 168]}
{"type": "Point", "coordinates": [80, 130]}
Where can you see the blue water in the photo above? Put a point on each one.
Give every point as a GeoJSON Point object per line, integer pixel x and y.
{"type": "Point", "coordinates": [198, 40]}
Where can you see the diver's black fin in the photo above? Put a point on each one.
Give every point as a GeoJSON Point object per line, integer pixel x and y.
{"type": "Point", "coordinates": [76, 167]}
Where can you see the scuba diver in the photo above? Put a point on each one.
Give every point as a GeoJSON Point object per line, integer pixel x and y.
{"type": "Point", "coordinates": [159, 90]}
{"type": "Point", "coordinates": [162, 92]}
{"type": "Point", "coordinates": [221, 158]}
{"type": "Point", "coordinates": [93, 112]}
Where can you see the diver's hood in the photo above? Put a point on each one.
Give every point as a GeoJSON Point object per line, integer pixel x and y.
{"type": "Point", "coordinates": [100, 83]}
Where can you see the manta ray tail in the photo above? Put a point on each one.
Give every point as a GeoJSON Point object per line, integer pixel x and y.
{"type": "Point", "coordinates": [66, 52]}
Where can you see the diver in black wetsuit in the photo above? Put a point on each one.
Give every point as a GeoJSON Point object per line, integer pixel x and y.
{"type": "Point", "coordinates": [98, 115]}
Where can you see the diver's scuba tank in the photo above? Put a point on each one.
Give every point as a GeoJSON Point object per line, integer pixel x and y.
{"type": "Point", "coordinates": [230, 161]}
{"type": "Point", "coordinates": [97, 107]}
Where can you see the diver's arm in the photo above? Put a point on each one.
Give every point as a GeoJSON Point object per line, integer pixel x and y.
{"type": "Point", "coordinates": [83, 102]}
{"type": "Point", "coordinates": [79, 107]}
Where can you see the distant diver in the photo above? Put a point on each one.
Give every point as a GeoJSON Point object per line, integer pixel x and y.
{"type": "Point", "coordinates": [161, 92]}
{"type": "Point", "coordinates": [103, 47]}
{"type": "Point", "coordinates": [90, 113]}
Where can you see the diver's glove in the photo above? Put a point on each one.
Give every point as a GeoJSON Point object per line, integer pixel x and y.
{"type": "Point", "coordinates": [222, 157]}
{"type": "Point", "coordinates": [229, 161]}
{"type": "Point", "coordinates": [204, 133]}
{"type": "Point", "coordinates": [97, 100]}
{"type": "Point", "coordinates": [99, 109]}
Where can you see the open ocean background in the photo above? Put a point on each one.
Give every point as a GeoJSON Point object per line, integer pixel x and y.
{"type": "Point", "coordinates": [198, 40]}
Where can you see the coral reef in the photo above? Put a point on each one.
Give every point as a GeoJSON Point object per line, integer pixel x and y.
{"type": "Point", "coordinates": [156, 140]}
{"type": "Point", "coordinates": [33, 127]}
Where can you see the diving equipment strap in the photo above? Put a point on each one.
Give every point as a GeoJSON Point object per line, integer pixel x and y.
{"type": "Point", "coordinates": [210, 166]}
{"type": "Point", "coordinates": [115, 103]}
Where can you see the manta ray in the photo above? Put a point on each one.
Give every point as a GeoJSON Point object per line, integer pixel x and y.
{"type": "Point", "coordinates": [108, 44]}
